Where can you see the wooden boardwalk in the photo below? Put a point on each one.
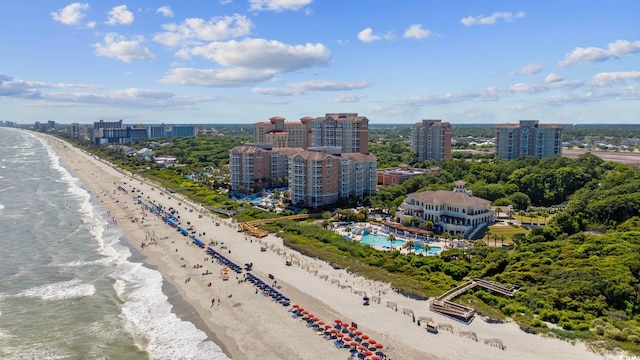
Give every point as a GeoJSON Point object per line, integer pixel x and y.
{"type": "Point", "coordinates": [444, 305]}
{"type": "Point", "coordinates": [249, 227]}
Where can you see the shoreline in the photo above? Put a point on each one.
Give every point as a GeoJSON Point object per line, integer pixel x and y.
{"type": "Point", "coordinates": [179, 305]}
{"type": "Point", "coordinates": [248, 324]}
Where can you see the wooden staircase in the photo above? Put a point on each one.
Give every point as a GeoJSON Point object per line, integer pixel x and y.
{"type": "Point", "coordinates": [444, 305]}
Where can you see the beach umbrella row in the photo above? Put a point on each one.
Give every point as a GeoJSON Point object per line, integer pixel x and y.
{"type": "Point", "coordinates": [224, 260]}
{"type": "Point", "coordinates": [268, 289]}
{"type": "Point", "coordinates": [344, 334]}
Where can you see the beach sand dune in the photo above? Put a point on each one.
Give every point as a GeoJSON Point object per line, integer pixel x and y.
{"type": "Point", "coordinates": [248, 325]}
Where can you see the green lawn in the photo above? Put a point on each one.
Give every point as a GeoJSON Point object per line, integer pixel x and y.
{"type": "Point", "coordinates": [507, 230]}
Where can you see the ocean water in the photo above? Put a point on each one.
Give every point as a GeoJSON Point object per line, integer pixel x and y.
{"type": "Point", "coordinates": [68, 286]}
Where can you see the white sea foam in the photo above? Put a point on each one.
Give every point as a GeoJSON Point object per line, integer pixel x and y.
{"type": "Point", "coordinates": [1, 206]}
{"type": "Point", "coordinates": [82, 263]}
{"type": "Point", "coordinates": [36, 351]}
{"type": "Point", "coordinates": [59, 291]}
{"type": "Point", "coordinates": [6, 336]}
{"type": "Point", "coordinates": [147, 315]}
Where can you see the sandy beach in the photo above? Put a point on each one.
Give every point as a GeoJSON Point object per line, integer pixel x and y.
{"type": "Point", "coordinates": [249, 325]}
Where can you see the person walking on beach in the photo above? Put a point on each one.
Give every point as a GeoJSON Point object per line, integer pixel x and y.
{"type": "Point", "coordinates": [213, 302]}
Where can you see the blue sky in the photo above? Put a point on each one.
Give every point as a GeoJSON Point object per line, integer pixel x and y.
{"type": "Point", "coordinates": [393, 61]}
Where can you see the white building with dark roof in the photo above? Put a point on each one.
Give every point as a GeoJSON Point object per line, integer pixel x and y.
{"type": "Point", "coordinates": [456, 211]}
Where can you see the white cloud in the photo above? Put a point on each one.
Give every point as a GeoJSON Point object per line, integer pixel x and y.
{"type": "Point", "coordinates": [552, 78]}
{"type": "Point", "coordinates": [367, 36]}
{"type": "Point", "coordinates": [487, 94]}
{"type": "Point", "coordinates": [121, 48]}
{"type": "Point", "coordinates": [491, 19]}
{"type": "Point", "coordinates": [300, 88]}
{"type": "Point", "coordinates": [261, 54]}
{"type": "Point", "coordinates": [127, 98]}
{"type": "Point", "coordinates": [276, 91]}
{"type": "Point", "coordinates": [120, 15]}
{"type": "Point", "coordinates": [608, 78]}
{"type": "Point", "coordinates": [235, 77]}
{"type": "Point", "coordinates": [551, 82]}
{"type": "Point", "coordinates": [323, 85]}
{"type": "Point", "coordinates": [278, 5]}
{"type": "Point", "coordinates": [225, 2]}
{"type": "Point", "coordinates": [198, 30]}
{"type": "Point", "coordinates": [90, 24]}
{"type": "Point", "coordinates": [348, 98]}
{"type": "Point", "coordinates": [590, 55]}
{"type": "Point", "coordinates": [11, 86]}
{"type": "Point", "coordinates": [532, 68]}
{"type": "Point", "coordinates": [626, 93]}
{"type": "Point", "coordinates": [416, 31]}
{"type": "Point", "coordinates": [165, 11]}
{"type": "Point", "coordinates": [71, 14]}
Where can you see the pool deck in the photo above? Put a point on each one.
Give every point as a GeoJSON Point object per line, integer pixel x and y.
{"type": "Point", "coordinates": [377, 229]}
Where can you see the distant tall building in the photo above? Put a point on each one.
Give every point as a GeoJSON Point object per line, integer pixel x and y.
{"type": "Point", "coordinates": [528, 138]}
{"type": "Point", "coordinates": [431, 140]}
{"type": "Point", "coordinates": [107, 124]}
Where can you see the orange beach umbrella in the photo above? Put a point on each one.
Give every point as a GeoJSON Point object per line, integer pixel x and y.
{"type": "Point", "coordinates": [379, 346]}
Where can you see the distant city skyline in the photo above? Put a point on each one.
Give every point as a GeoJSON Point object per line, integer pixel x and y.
{"type": "Point", "coordinates": [245, 61]}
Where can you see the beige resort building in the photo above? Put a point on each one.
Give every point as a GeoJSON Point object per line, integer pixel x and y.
{"type": "Point", "coordinates": [455, 212]}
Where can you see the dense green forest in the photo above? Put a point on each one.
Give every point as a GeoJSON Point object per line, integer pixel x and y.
{"type": "Point", "coordinates": [580, 274]}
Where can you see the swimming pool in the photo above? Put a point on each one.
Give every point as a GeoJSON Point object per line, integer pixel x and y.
{"type": "Point", "coordinates": [433, 250]}
{"type": "Point", "coordinates": [380, 240]}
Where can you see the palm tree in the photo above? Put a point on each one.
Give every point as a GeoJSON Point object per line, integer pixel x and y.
{"type": "Point", "coordinates": [498, 211]}
{"type": "Point", "coordinates": [510, 214]}
{"type": "Point", "coordinates": [392, 238]}
{"type": "Point", "coordinates": [446, 236]}
{"type": "Point", "coordinates": [488, 235]}
{"type": "Point", "coordinates": [410, 245]}
{"type": "Point", "coordinates": [545, 215]}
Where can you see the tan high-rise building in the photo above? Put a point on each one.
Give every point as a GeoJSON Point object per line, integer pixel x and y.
{"type": "Point", "coordinates": [315, 177]}
{"type": "Point", "coordinates": [280, 133]}
{"type": "Point", "coordinates": [528, 138]}
{"type": "Point", "coordinates": [431, 140]}
{"type": "Point", "coordinates": [320, 159]}
{"type": "Point", "coordinates": [348, 131]}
